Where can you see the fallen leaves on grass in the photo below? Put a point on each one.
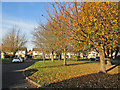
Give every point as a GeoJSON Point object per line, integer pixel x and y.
{"type": "Point", "coordinates": [95, 80]}
{"type": "Point", "coordinates": [49, 74]}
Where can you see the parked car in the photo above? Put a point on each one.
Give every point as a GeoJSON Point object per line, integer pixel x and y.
{"type": "Point", "coordinates": [21, 59]}
{"type": "Point", "coordinates": [115, 62]}
{"type": "Point", "coordinates": [93, 59]}
{"type": "Point", "coordinates": [17, 60]}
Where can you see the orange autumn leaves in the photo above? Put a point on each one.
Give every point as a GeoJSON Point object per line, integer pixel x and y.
{"type": "Point", "coordinates": [90, 22]}
{"type": "Point", "coordinates": [98, 23]}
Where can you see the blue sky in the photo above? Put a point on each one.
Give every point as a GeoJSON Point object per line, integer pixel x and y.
{"type": "Point", "coordinates": [28, 11]}
{"type": "Point", "coordinates": [26, 15]}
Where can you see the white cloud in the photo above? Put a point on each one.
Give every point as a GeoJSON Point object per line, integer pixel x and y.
{"type": "Point", "coordinates": [25, 26]}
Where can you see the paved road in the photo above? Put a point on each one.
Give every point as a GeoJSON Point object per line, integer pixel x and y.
{"type": "Point", "coordinates": [12, 75]}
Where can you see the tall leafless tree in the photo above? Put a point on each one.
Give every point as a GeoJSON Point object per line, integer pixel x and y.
{"type": "Point", "coordinates": [13, 41]}
{"type": "Point", "coordinates": [45, 39]}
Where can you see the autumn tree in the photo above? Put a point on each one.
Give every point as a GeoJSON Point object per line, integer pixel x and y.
{"type": "Point", "coordinates": [94, 23]}
{"type": "Point", "coordinates": [98, 25]}
{"type": "Point", "coordinates": [13, 41]}
{"type": "Point", "coordinates": [62, 42]}
{"type": "Point", "coordinates": [60, 25]}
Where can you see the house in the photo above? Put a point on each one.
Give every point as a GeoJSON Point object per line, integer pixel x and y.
{"type": "Point", "coordinates": [92, 54]}
{"type": "Point", "coordinates": [37, 53]}
{"type": "Point", "coordinates": [54, 55]}
{"type": "Point", "coordinates": [73, 55]}
{"type": "Point", "coordinates": [29, 54]}
{"type": "Point", "coordinates": [69, 55]}
{"type": "Point", "coordinates": [2, 55]}
{"type": "Point", "coordinates": [21, 52]}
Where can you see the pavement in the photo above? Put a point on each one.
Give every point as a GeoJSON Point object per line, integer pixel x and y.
{"type": "Point", "coordinates": [12, 75]}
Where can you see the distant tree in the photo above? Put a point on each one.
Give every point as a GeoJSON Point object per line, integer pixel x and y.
{"type": "Point", "coordinates": [50, 39]}
{"type": "Point", "coordinates": [12, 41]}
{"type": "Point", "coordinates": [45, 39]}
{"type": "Point", "coordinates": [38, 41]}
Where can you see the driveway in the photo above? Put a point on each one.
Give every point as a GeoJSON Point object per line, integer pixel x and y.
{"type": "Point", "coordinates": [12, 75]}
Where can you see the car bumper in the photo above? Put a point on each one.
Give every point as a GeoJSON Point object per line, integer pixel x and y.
{"type": "Point", "coordinates": [15, 61]}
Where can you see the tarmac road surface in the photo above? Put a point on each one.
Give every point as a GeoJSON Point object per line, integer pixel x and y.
{"type": "Point", "coordinates": [12, 75]}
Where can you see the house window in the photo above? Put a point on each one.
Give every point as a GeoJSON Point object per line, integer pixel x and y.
{"type": "Point", "coordinates": [93, 54]}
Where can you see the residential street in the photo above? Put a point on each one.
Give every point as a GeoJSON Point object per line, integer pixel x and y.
{"type": "Point", "coordinates": [12, 75]}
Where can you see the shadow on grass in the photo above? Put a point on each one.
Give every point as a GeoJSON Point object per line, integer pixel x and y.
{"type": "Point", "coordinates": [37, 59]}
{"type": "Point", "coordinates": [41, 59]}
{"type": "Point", "coordinates": [30, 72]}
{"type": "Point", "coordinates": [81, 63]}
{"type": "Point", "coordinates": [83, 60]}
{"type": "Point", "coordinates": [112, 68]}
{"type": "Point", "coordinates": [61, 59]}
{"type": "Point", "coordinates": [95, 80]}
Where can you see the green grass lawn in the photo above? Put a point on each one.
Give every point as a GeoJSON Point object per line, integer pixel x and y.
{"type": "Point", "coordinates": [6, 61]}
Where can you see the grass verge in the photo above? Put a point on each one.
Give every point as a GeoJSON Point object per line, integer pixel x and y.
{"type": "Point", "coordinates": [51, 73]}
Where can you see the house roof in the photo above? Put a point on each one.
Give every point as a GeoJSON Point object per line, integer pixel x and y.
{"type": "Point", "coordinates": [22, 48]}
{"type": "Point", "coordinates": [36, 49]}
{"type": "Point", "coordinates": [93, 51]}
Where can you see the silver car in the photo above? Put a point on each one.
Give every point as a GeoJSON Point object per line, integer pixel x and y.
{"type": "Point", "coordinates": [17, 59]}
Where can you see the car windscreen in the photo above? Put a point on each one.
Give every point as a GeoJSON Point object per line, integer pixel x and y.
{"type": "Point", "coordinates": [15, 58]}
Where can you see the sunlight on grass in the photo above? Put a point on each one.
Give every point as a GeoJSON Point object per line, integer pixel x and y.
{"type": "Point", "coordinates": [51, 72]}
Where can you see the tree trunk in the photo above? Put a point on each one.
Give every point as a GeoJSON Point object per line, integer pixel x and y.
{"type": "Point", "coordinates": [14, 54]}
{"type": "Point", "coordinates": [111, 53]}
{"type": "Point", "coordinates": [77, 56]}
{"type": "Point", "coordinates": [64, 57]}
{"type": "Point", "coordinates": [105, 53]}
{"type": "Point", "coordinates": [116, 52]}
{"type": "Point", "coordinates": [102, 62]}
{"type": "Point", "coordinates": [59, 57]}
{"type": "Point", "coordinates": [108, 52]}
{"type": "Point", "coordinates": [52, 57]}
{"type": "Point", "coordinates": [43, 58]}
